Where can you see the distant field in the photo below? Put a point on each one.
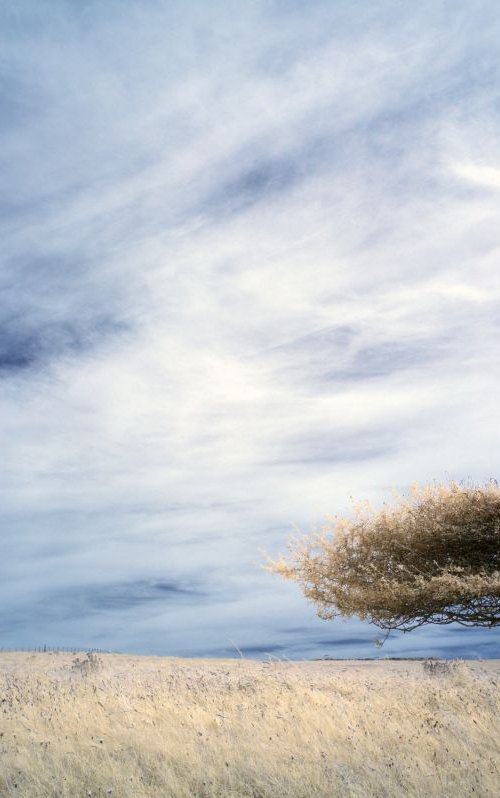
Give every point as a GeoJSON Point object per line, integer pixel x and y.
{"type": "Point", "coordinates": [130, 727]}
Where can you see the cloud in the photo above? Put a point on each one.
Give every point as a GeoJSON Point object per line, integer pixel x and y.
{"type": "Point", "coordinates": [249, 270]}
{"type": "Point", "coordinates": [78, 602]}
{"type": "Point", "coordinates": [260, 182]}
{"type": "Point", "coordinates": [25, 346]}
{"type": "Point", "coordinates": [326, 447]}
{"type": "Point", "coordinates": [485, 176]}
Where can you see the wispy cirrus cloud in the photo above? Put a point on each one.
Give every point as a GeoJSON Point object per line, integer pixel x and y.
{"type": "Point", "coordinates": [248, 269]}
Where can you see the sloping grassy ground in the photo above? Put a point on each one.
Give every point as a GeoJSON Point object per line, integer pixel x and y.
{"type": "Point", "coordinates": [128, 727]}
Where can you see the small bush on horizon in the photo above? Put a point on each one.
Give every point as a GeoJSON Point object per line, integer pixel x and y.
{"type": "Point", "coordinates": [91, 664]}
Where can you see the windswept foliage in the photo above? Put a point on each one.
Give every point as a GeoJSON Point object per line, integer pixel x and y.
{"type": "Point", "coordinates": [433, 558]}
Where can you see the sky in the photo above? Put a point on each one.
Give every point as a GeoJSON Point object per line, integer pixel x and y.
{"type": "Point", "coordinates": [249, 270]}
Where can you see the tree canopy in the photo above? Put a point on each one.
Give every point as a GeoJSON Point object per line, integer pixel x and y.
{"type": "Point", "coordinates": [432, 558]}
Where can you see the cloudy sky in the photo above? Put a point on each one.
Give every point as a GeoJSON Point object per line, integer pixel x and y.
{"type": "Point", "coordinates": [249, 268]}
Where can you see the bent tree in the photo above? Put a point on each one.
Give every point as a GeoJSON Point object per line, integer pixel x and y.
{"type": "Point", "coordinates": [433, 558]}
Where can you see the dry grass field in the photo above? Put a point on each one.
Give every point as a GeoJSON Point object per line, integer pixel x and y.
{"type": "Point", "coordinates": [131, 727]}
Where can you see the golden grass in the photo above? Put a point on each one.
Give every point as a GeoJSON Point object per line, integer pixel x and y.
{"type": "Point", "coordinates": [150, 726]}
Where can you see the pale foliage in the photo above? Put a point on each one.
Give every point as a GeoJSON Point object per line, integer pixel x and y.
{"type": "Point", "coordinates": [144, 727]}
{"type": "Point", "coordinates": [433, 558]}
